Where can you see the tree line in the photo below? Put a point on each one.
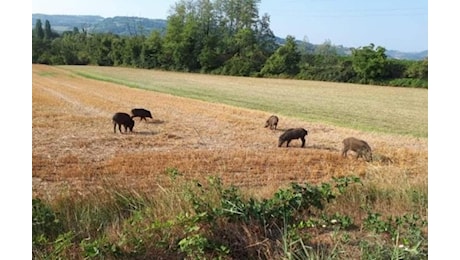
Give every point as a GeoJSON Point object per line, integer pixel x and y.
{"type": "Point", "coordinates": [226, 37]}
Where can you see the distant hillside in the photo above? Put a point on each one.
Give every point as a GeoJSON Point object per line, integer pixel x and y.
{"type": "Point", "coordinates": [341, 50]}
{"type": "Point", "coordinates": [407, 55]}
{"type": "Point", "coordinates": [61, 23]}
{"type": "Point", "coordinates": [121, 25]}
{"type": "Point", "coordinates": [125, 25]}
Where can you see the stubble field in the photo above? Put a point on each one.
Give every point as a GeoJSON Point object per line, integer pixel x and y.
{"type": "Point", "coordinates": [75, 150]}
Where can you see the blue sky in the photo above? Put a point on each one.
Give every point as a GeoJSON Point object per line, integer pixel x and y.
{"type": "Point", "coordinates": [394, 24]}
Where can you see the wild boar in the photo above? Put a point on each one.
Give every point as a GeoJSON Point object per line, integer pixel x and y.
{"type": "Point", "coordinates": [141, 112]}
{"type": "Point", "coordinates": [292, 133]}
{"type": "Point", "coordinates": [361, 148]}
{"type": "Point", "coordinates": [272, 122]}
{"type": "Point", "coordinates": [124, 119]}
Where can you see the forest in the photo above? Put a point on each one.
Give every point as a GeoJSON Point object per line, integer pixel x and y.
{"type": "Point", "coordinates": [226, 38]}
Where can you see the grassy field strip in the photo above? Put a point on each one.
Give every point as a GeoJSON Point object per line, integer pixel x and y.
{"type": "Point", "coordinates": [401, 111]}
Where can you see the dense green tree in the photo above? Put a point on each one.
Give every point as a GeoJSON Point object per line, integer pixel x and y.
{"type": "Point", "coordinates": [247, 13]}
{"type": "Point", "coordinates": [265, 36]}
{"type": "Point", "coordinates": [248, 39]}
{"type": "Point", "coordinates": [326, 54]}
{"type": "Point", "coordinates": [369, 63]}
{"type": "Point", "coordinates": [101, 47]}
{"type": "Point", "coordinates": [322, 62]}
{"type": "Point", "coordinates": [284, 61]}
{"type": "Point", "coordinates": [248, 57]}
{"type": "Point", "coordinates": [117, 50]}
{"type": "Point", "coordinates": [209, 57]}
{"type": "Point", "coordinates": [73, 47]}
{"type": "Point", "coordinates": [418, 70]}
{"type": "Point", "coordinates": [237, 14]}
{"type": "Point", "coordinates": [224, 35]}
{"type": "Point", "coordinates": [210, 44]}
{"type": "Point", "coordinates": [345, 70]}
{"type": "Point", "coordinates": [396, 68]}
{"type": "Point", "coordinates": [41, 48]}
{"type": "Point", "coordinates": [181, 37]}
{"type": "Point", "coordinates": [39, 33]}
{"type": "Point", "coordinates": [133, 50]}
{"type": "Point", "coordinates": [48, 34]}
{"type": "Point", "coordinates": [66, 48]}
{"type": "Point", "coordinates": [38, 47]}
{"type": "Point", "coordinates": [151, 51]}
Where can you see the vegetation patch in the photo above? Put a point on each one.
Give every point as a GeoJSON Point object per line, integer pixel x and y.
{"type": "Point", "coordinates": [47, 74]}
{"type": "Point", "coordinates": [212, 220]}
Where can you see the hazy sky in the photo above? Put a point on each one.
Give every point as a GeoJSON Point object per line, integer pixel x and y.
{"type": "Point", "coordinates": [393, 24]}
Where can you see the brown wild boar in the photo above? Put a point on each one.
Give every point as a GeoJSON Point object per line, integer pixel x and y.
{"type": "Point", "coordinates": [361, 148]}
{"type": "Point", "coordinates": [292, 133]}
{"type": "Point", "coordinates": [124, 119]}
{"type": "Point", "coordinates": [272, 122]}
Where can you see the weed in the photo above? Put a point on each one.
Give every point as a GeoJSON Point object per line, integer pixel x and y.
{"type": "Point", "coordinates": [45, 225]}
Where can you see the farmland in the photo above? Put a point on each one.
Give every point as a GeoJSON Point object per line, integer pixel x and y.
{"type": "Point", "coordinates": [214, 126]}
{"type": "Point", "coordinates": [72, 127]}
{"type": "Point", "coordinates": [382, 109]}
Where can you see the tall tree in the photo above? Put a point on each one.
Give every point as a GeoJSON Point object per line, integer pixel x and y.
{"type": "Point", "coordinates": [326, 54]}
{"type": "Point", "coordinates": [245, 53]}
{"type": "Point", "coordinates": [39, 33]}
{"type": "Point", "coordinates": [246, 58]}
{"type": "Point", "coordinates": [208, 30]}
{"type": "Point", "coordinates": [265, 36]}
{"type": "Point", "coordinates": [285, 60]}
{"type": "Point", "coordinates": [238, 14]}
{"type": "Point", "coordinates": [418, 69]}
{"type": "Point", "coordinates": [40, 47]}
{"type": "Point", "coordinates": [151, 51]}
{"type": "Point", "coordinates": [117, 50]}
{"type": "Point", "coordinates": [181, 37]}
{"type": "Point", "coordinates": [132, 50]}
{"type": "Point", "coordinates": [101, 47]}
{"type": "Point", "coordinates": [369, 62]}
{"type": "Point", "coordinates": [48, 34]}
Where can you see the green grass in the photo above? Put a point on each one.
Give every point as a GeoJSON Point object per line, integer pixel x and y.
{"type": "Point", "coordinates": [215, 221]}
{"type": "Point", "coordinates": [402, 111]}
{"type": "Point", "coordinates": [47, 74]}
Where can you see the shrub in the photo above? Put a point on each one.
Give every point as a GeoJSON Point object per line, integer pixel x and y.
{"type": "Point", "coordinates": [45, 225]}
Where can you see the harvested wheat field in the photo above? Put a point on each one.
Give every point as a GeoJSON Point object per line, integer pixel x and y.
{"type": "Point", "coordinates": [74, 147]}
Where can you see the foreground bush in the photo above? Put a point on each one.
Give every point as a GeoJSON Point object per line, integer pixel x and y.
{"type": "Point", "coordinates": [191, 220]}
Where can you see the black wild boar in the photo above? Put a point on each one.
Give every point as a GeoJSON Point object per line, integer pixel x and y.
{"type": "Point", "coordinates": [272, 122]}
{"type": "Point", "coordinates": [292, 133]}
{"type": "Point", "coordinates": [124, 119]}
{"type": "Point", "coordinates": [140, 112]}
{"type": "Point", "coordinates": [362, 149]}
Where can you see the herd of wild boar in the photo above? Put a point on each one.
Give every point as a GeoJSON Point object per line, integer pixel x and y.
{"type": "Point", "coordinates": [360, 147]}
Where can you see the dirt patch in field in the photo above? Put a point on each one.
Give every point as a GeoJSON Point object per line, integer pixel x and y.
{"type": "Point", "coordinates": [74, 146]}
